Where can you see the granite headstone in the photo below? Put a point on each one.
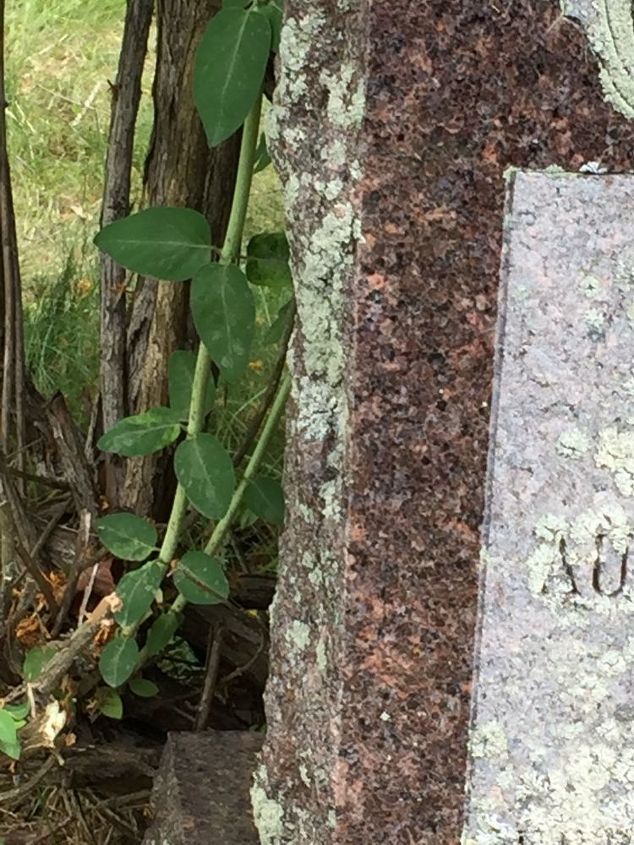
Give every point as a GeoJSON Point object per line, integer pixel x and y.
{"type": "Point", "coordinates": [392, 127]}
{"type": "Point", "coordinates": [552, 739]}
{"type": "Point", "coordinates": [201, 792]}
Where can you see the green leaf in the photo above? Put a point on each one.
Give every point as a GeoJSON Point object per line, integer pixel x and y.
{"type": "Point", "coordinates": [205, 470]}
{"type": "Point", "coordinates": [143, 688]}
{"type": "Point", "coordinates": [118, 660]}
{"type": "Point", "coordinates": [142, 434]}
{"type": "Point", "coordinates": [224, 315]}
{"type": "Point", "coordinates": [35, 661]}
{"type": "Point", "coordinates": [111, 704]}
{"type": "Point", "coordinates": [137, 590]}
{"type": "Point", "coordinates": [18, 711]}
{"type": "Point", "coordinates": [278, 326]}
{"type": "Point", "coordinates": [274, 12]}
{"type": "Point", "coordinates": [12, 750]}
{"type": "Point", "coordinates": [161, 633]}
{"type": "Point", "coordinates": [267, 260]}
{"type": "Point", "coordinates": [229, 71]}
{"type": "Point", "coordinates": [166, 243]}
{"type": "Point", "coordinates": [180, 370]}
{"type": "Point", "coordinates": [8, 729]}
{"type": "Point", "coordinates": [262, 157]}
{"type": "Point", "coordinates": [265, 497]}
{"type": "Point", "coordinates": [127, 536]}
{"type": "Point", "coordinates": [200, 579]}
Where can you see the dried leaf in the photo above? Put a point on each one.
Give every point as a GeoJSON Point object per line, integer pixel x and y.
{"type": "Point", "coordinates": [29, 632]}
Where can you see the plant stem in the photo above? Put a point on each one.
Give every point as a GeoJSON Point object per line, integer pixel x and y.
{"type": "Point", "coordinates": [220, 531]}
{"type": "Point", "coordinates": [230, 251]}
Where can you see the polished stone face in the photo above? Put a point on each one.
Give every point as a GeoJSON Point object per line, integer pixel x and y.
{"type": "Point", "coordinates": [551, 751]}
{"type": "Point", "coordinates": [373, 627]}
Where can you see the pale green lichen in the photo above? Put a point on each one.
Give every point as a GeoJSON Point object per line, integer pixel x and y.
{"type": "Point", "coordinates": [590, 286]}
{"type": "Point", "coordinates": [297, 40]}
{"type": "Point", "coordinates": [298, 635]}
{"type": "Point", "coordinates": [321, 656]}
{"type": "Point", "coordinates": [610, 31]}
{"type": "Point", "coordinates": [314, 134]}
{"type": "Point", "coordinates": [346, 98]}
{"type": "Point", "coordinates": [628, 387]}
{"type": "Point", "coordinates": [573, 443]}
{"type": "Point", "coordinates": [488, 740]}
{"type": "Point", "coordinates": [549, 570]}
{"type": "Point", "coordinates": [615, 452]}
{"type": "Point", "coordinates": [594, 320]}
{"type": "Point", "coordinates": [267, 813]}
{"type": "Point", "coordinates": [303, 773]}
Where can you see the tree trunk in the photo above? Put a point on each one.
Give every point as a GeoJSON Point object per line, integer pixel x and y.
{"type": "Point", "coordinates": [181, 171]}
{"type": "Point", "coordinates": [126, 95]}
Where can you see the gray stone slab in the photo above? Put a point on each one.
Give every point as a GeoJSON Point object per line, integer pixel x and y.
{"type": "Point", "coordinates": [552, 737]}
{"type": "Point", "coordinates": [201, 795]}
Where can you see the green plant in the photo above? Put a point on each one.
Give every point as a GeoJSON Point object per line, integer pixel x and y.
{"type": "Point", "coordinates": [173, 245]}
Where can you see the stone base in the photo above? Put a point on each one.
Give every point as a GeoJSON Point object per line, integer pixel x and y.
{"type": "Point", "coordinates": [201, 794]}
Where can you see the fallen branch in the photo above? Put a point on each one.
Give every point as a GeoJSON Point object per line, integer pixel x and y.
{"type": "Point", "coordinates": [61, 663]}
{"type": "Point", "coordinates": [26, 789]}
{"type": "Point", "coordinates": [211, 677]}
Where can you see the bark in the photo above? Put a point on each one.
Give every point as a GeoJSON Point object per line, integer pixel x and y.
{"type": "Point", "coordinates": [126, 95]}
{"type": "Point", "coordinates": [181, 171]}
{"type": "Point", "coordinates": [69, 443]}
{"type": "Point", "coordinates": [13, 376]}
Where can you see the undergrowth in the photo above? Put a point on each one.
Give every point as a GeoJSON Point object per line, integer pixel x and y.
{"type": "Point", "coordinates": [61, 56]}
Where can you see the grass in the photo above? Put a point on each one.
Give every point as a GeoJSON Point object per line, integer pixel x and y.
{"type": "Point", "coordinates": [60, 56]}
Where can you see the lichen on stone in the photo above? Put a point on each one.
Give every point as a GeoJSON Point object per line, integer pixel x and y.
{"type": "Point", "coordinates": [595, 320]}
{"type": "Point", "coordinates": [573, 443]}
{"type": "Point", "coordinates": [610, 32]}
{"type": "Point", "coordinates": [557, 573]}
{"type": "Point", "coordinates": [267, 813]}
{"type": "Point", "coordinates": [314, 135]}
{"type": "Point", "coordinates": [298, 635]}
{"type": "Point", "coordinates": [488, 740]}
{"type": "Point", "coordinates": [615, 452]}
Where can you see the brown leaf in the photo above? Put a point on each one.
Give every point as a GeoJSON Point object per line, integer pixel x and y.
{"type": "Point", "coordinates": [104, 583]}
{"type": "Point", "coordinates": [29, 631]}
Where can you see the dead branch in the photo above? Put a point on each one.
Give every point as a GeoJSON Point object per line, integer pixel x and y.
{"type": "Point", "coordinates": [68, 652]}
{"type": "Point", "coordinates": [70, 447]}
{"type": "Point", "coordinates": [211, 677]}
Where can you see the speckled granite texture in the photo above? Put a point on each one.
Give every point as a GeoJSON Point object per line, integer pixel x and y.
{"type": "Point", "coordinates": [393, 126]}
{"type": "Point", "coordinates": [201, 792]}
{"type": "Point", "coordinates": [552, 758]}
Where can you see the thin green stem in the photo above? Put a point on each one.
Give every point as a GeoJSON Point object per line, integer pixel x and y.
{"type": "Point", "coordinates": [230, 251]}
{"type": "Point", "coordinates": [220, 531]}
{"type": "Point", "coordinates": [244, 177]}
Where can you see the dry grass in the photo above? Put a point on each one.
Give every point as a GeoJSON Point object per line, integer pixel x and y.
{"type": "Point", "coordinates": [59, 816]}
